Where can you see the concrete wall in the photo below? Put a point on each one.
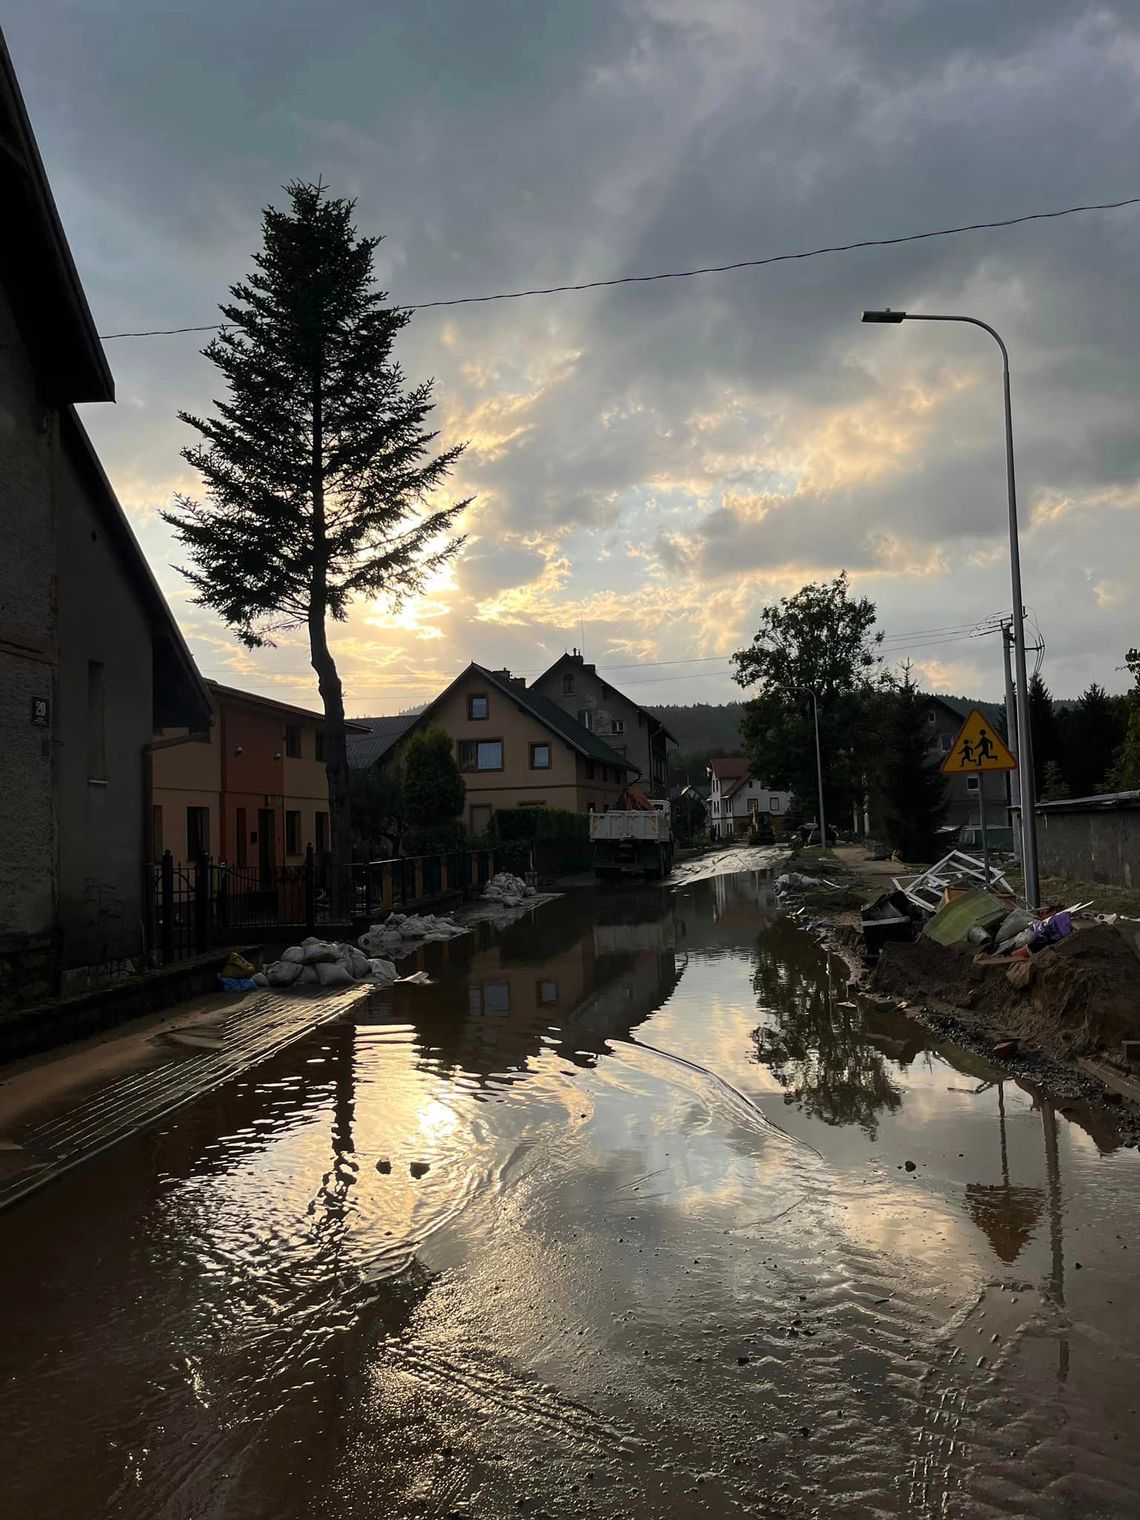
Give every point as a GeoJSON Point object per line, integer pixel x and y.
{"type": "Point", "coordinates": [102, 831]}
{"type": "Point", "coordinates": [1091, 846]}
{"type": "Point", "coordinates": [28, 862]}
{"type": "Point", "coordinates": [567, 784]}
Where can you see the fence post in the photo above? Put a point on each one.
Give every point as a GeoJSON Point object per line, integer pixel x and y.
{"type": "Point", "coordinates": [166, 905]}
{"type": "Point", "coordinates": [222, 900]}
{"type": "Point", "coordinates": [310, 879]}
{"type": "Point", "coordinates": [202, 904]}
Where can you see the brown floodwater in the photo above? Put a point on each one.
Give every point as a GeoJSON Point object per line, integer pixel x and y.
{"type": "Point", "coordinates": [631, 1213]}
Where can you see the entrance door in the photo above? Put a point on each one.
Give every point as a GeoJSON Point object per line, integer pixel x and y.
{"type": "Point", "coordinates": [266, 844]}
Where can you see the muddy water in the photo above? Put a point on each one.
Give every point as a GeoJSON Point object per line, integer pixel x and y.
{"type": "Point", "coordinates": [615, 1219]}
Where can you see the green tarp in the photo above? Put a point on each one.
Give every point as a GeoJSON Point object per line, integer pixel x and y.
{"type": "Point", "coordinates": [955, 919]}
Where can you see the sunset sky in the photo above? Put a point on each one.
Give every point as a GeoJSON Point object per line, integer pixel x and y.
{"type": "Point", "coordinates": [651, 463]}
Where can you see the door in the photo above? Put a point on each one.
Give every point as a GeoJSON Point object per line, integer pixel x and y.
{"type": "Point", "coordinates": [266, 844]}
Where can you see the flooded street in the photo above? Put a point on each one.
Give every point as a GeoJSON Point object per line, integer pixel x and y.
{"type": "Point", "coordinates": [630, 1214]}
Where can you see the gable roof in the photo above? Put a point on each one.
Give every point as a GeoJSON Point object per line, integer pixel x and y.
{"type": "Point", "coordinates": [36, 266]}
{"type": "Point", "coordinates": [181, 698]}
{"type": "Point", "coordinates": [579, 663]}
{"type": "Point", "coordinates": [365, 749]}
{"type": "Point", "coordinates": [729, 767]}
{"type": "Point", "coordinates": [962, 707]}
{"type": "Point", "coordinates": [548, 713]}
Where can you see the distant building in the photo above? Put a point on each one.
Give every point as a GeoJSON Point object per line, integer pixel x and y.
{"type": "Point", "coordinates": [736, 794]}
{"type": "Point", "coordinates": [90, 656]}
{"type": "Point", "coordinates": [516, 748]}
{"type": "Point", "coordinates": [1091, 838]}
{"type": "Point", "coordinates": [372, 738]}
{"type": "Point", "coordinates": [630, 730]}
{"type": "Point", "coordinates": [944, 717]}
{"type": "Point", "coordinates": [251, 792]}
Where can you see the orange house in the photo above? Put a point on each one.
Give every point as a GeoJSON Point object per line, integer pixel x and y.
{"type": "Point", "coordinates": [251, 792]}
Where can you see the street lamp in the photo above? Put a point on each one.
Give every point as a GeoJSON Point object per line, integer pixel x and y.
{"type": "Point", "coordinates": [1024, 734]}
{"type": "Point", "coordinates": [818, 762]}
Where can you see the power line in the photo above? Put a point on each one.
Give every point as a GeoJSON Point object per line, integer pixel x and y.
{"type": "Point", "coordinates": [689, 274]}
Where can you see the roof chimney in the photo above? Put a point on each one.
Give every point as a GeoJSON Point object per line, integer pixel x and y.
{"type": "Point", "coordinates": [505, 676]}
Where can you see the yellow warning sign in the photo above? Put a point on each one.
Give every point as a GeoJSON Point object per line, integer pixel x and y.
{"type": "Point", "coordinates": [977, 747]}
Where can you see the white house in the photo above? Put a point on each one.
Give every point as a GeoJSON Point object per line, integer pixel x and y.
{"type": "Point", "coordinates": [736, 794]}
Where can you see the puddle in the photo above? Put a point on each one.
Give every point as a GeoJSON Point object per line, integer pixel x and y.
{"type": "Point", "coordinates": [615, 1218]}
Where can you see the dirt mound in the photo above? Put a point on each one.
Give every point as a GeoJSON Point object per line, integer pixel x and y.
{"type": "Point", "coordinates": [1080, 997]}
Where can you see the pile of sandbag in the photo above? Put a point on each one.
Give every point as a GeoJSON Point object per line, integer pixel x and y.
{"type": "Point", "coordinates": [507, 889]}
{"type": "Point", "coordinates": [323, 963]}
{"type": "Point", "coordinates": [402, 932]}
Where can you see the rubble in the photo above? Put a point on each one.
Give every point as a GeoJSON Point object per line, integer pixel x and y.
{"type": "Point", "coordinates": [507, 889]}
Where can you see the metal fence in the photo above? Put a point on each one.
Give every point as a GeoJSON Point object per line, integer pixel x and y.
{"type": "Point", "coordinates": [207, 902]}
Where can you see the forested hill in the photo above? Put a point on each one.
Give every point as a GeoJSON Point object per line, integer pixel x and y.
{"type": "Point", "coordinates": [702, 726]}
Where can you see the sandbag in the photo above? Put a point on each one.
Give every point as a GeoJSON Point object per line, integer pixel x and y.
{"type": "Point", "coordinates": [282, 973]}
{"type": "Point", "coordinates": [294, 953]}
{"type": "Point", "coordinates": [319, 953]}
{"type": "Point", "coordinates": [382, 971]}
{"type": "Point", "coordinates": [308, 976]}
{"type": "Point", "coordinates": [333, 974]}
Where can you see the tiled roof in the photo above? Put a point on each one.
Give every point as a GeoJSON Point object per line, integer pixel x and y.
{"type": "Point", "coordinates": [365, 749]}
{"type": "Point", "coordinates": [729, 768]}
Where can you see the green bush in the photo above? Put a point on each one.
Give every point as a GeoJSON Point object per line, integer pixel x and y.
{"type": "Point", "coordinates": [557, 840]}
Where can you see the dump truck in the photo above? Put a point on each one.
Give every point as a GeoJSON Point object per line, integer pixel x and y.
{"type": "Point", "coordinates": [632, 843]}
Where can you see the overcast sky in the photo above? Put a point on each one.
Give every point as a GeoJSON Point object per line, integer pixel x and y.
{"type": "Point", "coordinates": [651, 463]}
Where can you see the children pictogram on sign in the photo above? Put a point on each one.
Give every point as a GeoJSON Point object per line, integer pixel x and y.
{"type": "Point", "coordinates": [977, 748]}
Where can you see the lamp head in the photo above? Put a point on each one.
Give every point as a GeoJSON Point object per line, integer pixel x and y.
{"type": "Point", "coordinates": [887, 315]}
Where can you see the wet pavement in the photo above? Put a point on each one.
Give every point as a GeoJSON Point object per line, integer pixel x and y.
{"type": "Point", "coordinates": [632, 1213]}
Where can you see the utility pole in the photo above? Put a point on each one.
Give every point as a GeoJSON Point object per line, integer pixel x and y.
{"type": "Point", "coordinates": [1010, 728]}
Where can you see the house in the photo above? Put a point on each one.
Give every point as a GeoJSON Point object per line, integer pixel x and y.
{"type": "Point", "coordinates": [630, 730]}
{"type": "Point", "coordinates": [251, 792]}
{"type": "Point", "coordinates": [90, 656]}
{"type": "Point", "coordinates": [944, 717]}
{"type": "Point", "coordinates": [516, 748]}
{"type": "Point", "coordinates": [735, 794]}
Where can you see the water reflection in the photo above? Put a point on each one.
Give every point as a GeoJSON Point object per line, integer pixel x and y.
{"type": "Point", "coordinates": [815, 1042]}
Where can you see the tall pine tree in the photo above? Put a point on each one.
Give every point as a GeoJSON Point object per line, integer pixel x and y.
{"type": "Point", "coordinates": [318, 468]}
{"type": "Point", "coordinates": [914, 789]}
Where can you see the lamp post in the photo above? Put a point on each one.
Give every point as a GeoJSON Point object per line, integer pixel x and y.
{"type": "Point", "coordinates": [818, 762]}
{"type": "Point", "coordinates": [1024, 734]}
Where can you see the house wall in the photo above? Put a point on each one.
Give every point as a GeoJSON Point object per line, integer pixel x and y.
{"type": "Point", "coordinates": [1091, 845]}
{"type": "Point", "coordinates": [567, 784]}
{"type": "Point", "coordinates": [607, 706]}
{"type": "Point", "coordinates": [102, 830]}
{"type": "Point", "coordinates": [262, 778]}
{"type": "Point", "coordinates": [962, 799]}
{"type": "Point", "coordinates": [28, 860]}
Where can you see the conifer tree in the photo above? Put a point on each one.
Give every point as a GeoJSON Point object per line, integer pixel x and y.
{"type": "Point", "coordinates": [318, 469]}
{"type": "Point", "coordinates": [914, 789]}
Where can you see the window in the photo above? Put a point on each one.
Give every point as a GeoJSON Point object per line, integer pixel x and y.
{"type": "Point", "coordinates": [292, 833]}
{"type": "Point", "coordinates": [293, 740]}
{"type": "Point", "coordinates": [96, 721]}
{"type": "Point", "coordinates": [319, 744]}
{"type": "Point", "coordinates": [490, 998]}
{"type": "Point", "coordinates": [540, 757]}
{"type": "Point", "coordinates": [617, 726]}
{"type": "Point", "coordinates": [240, 830]}
{"type": "Point", "coordinates": [546, 994]}
{"type": "Point", "coordinates": [568, 685]}
{"type": "Point", "coordinates": [589, 770]}
{"type": "Point", "coordinates": [480, 754]}
{"type": "Point", "coordinates": [197, 832]}
{"type": "Point", "coordinates": [973, 783]}
{"type": "Point", "coordinates": [773, 804]}
{"type": "Point", "coordinates": [322, 830]}
{"type": "Point", "coordinates": [586, 718]}
{"type": "Point", "coordinates": [478, 706]}
{"type": "Point", "coordinates": [931, 716]}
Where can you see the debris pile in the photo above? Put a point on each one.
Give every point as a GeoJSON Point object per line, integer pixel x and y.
{"type": "Point", "coordinates": [509, 890]}
{"type": "Point", "coordinates": [401, 932]}
{"type": "Point", "coordinates": [324, 963]}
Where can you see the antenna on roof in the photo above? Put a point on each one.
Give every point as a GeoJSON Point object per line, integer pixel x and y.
{"type": "Point", "coordinates": [582, 636]}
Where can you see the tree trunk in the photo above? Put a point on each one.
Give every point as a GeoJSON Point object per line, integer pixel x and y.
{"type": "Point", "coordinates": [332, 693]}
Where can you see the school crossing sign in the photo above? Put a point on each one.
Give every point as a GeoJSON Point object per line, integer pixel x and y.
{"type": "Point", "coordinates": [977, 748]}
